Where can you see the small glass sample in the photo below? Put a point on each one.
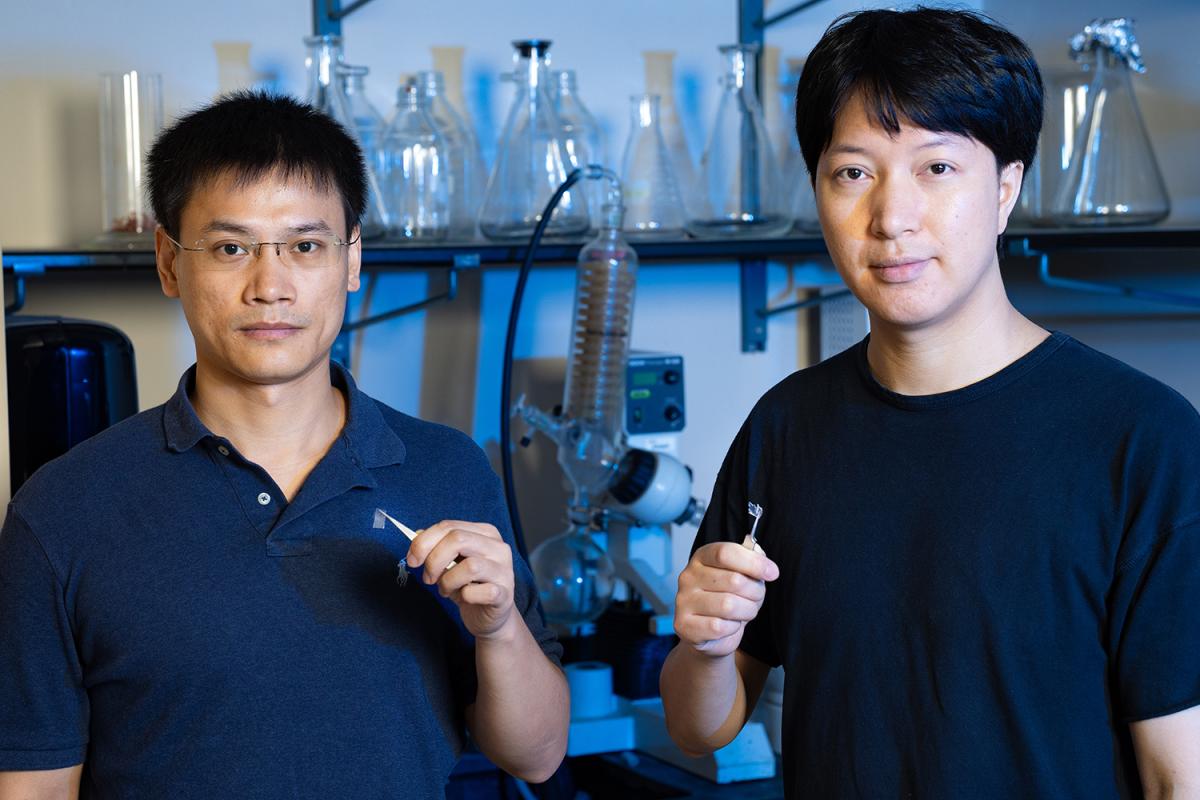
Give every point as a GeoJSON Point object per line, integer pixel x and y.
{"type": "Point", "coordinates": [1113, 177]}
{"type": "Point", "coordinates": [418, 186]}
{"type": "Point", "coordinates": [131, 115]}
{"type": "Point", "coordinates": [463, 204]}
{"type": "Point", "coordinates": [357, 115]}
{"type": "Point", "coordinates": [652, 197]}
{"type": "Point", "coordinates": [581, 137]}
{"type": "Point", "coordinates": [531, 160]}
{"type": "Point", "coordinates": [660, 80]}
{"type": "Point", "coordinates": [740, 174]}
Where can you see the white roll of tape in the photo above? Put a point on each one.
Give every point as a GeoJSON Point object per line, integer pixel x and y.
{"type": "Point", "coordinates": [590, 683]}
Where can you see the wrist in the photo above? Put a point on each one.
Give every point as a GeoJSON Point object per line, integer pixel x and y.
{"type": "Point", "coordinates": [505, 635]}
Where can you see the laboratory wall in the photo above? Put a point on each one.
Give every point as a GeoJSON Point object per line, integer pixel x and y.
{"type": "Point", "coordinates": [444, 364]}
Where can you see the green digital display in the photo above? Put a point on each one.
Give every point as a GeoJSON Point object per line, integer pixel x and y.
{"type": "Point", "coordinates": [645, 378]}
{"type": "Point", "coordinates": [639, 394]}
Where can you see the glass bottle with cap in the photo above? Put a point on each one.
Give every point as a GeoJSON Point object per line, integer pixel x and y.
{"type": "Point", "coordinates": [418, 189]}
{"type": "Point", "coordinates": [1113, 177]}
{"type": "Point", "coordinates": [740, 175]}
{"type": "Point", "coordinates": [531, 161]}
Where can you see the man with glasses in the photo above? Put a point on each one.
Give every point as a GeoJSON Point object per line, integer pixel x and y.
{"type": "Point", "coordinates": [196, 602]}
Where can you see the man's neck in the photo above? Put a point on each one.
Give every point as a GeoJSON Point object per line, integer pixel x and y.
{"type": "Point", "coordinates": [284, 428]}
{"type": "Point", "coordinates": [978, 341]}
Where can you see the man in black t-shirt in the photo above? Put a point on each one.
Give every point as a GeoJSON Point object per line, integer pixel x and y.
{"type": "Point", "coordinates": [979, 542]}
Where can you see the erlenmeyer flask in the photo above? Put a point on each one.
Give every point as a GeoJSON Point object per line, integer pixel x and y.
{"type": "Point", "coordinates": [454, 132]}
{"type": "Point", "coordinates": [738, 165]}
{"type": "Point", "coordinates": [652, 202]}
{"type": "Point", "coordinates": [531, 162]}
{"type": "Point", "coordinates": [417, 173]}
{"type": "Point", "coordinates": [1113, 177]}
{"type": "Point", "coordinates": [357, 115]}
{"type": "Point", "coordinates": [581, 137]}
{"type": "Point", "coordinates": [1066, 101]}
{"type": "Point", "coordinates": [797, 185]}
{"type": "Point", "coordinates": [660, 80]}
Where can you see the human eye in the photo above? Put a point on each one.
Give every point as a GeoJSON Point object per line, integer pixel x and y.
{"type": "Point", "coordinates": [850, 174]}
{"type": "Point", "coordinates": [940, 168]}
{"type": "Point", "coordinates": [228, 251]}
{"type": "Point", "coordinates": [309, 249]}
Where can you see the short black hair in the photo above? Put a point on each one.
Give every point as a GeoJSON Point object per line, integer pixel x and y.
{"type": "Point", "coordinates": [250, 135]}
{"type": "Point", "coordinates": [944, 70]}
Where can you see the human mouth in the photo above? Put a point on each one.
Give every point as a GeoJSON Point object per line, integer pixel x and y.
{"type": "Point", "coordinates": [269, 331]}
{"type": "Point", "coordinates": [899, 270]}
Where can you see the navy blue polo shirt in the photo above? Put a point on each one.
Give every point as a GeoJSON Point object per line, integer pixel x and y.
{"type": "Point", "coordinates": [170, 620]}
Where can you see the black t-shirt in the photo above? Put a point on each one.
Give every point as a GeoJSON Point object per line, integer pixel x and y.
{"type": "Point", "coordinates": [978, 589]}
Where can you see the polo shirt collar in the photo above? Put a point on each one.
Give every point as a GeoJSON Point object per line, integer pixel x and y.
{"type": "Point", "coordinates": [370, 439]}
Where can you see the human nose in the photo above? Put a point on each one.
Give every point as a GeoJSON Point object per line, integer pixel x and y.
{"type": "Point", "coordinates": [271, 278]}
{"type": "Point", "coordinates": [896, 208]}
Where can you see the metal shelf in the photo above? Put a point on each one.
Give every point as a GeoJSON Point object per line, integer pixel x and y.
{"type": "Point", "coordinates": [455, 254]}
{"type": "Point", "coordinates": [480, 253]}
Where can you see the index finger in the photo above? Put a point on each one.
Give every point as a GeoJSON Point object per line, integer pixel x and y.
{"type": "Point", "coordinates": [430, 537]}
{"type": "Point", "coordinates": [732, 556]}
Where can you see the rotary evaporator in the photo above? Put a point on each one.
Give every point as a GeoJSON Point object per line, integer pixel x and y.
{"type": "Point", "coordinates": [614, 434]}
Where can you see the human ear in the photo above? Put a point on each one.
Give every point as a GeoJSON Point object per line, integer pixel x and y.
{"type": "Point", "coordinates": [354, 257]}
{"type": "Point", "coordinates": [164, 259]}
{"type": "Point", "coordinates": [1009, 191]}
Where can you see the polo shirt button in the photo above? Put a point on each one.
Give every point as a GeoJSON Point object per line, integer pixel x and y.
{"type": "Point", "coordinates": [223, 450]}
{"type": "Point", "coordinates": [264, 499]}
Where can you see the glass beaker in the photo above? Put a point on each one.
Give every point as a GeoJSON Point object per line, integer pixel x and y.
{"type": "Point", "coordinates": [131, 116]}
{"type": "Point", "coordinates": [739, 170]}
{"type": "Point", "coordinates": [660, 80]}
{"type": "Point", "coordinates": [1113, 177]}
{"type": "Point", "coordinates": [357, 115]}
{"type": "Point", "coordinates": [581, 137]}
{"type": "Point", "coordinates": [531, 162]}
{"type": "Point", "coordinates": [652, 198]}
{"type": "Point", "coordinates": [463, 206]}
{"type": "Point", "coordinates": [418, 191]}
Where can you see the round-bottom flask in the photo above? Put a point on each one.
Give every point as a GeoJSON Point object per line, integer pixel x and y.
{"type": "Point", "coordinates": [574, 577]}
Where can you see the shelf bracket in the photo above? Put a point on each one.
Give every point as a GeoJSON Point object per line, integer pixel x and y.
{"type": "Point", "coordinates": [809, 302]}
{"type": "Point", "coordinates": [753, 286]}
{"type": "Point", "coordinates": [19, 270]}
{"type": "Point", "coordinates": [1022, 249]}
{"type": "Point", "coordinates": [341, 346]}
{"type": "Point", "coordinates": [767, 22]}
{"type": "Point", "coordinates": [328, 15]}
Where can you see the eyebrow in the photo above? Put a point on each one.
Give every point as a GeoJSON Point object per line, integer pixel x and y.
{"type": "Point", "coordinates": [228, 226]}
{"type": "Point", "coordinates": [850, 149]}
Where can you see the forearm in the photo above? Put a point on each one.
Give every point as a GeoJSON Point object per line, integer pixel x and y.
{"type": "Point", "coordinates": [51, 784]}
{"type": "Point", "coordinates": [522, 708]}
{"type": "Point", "coordinates": [704, 699]}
